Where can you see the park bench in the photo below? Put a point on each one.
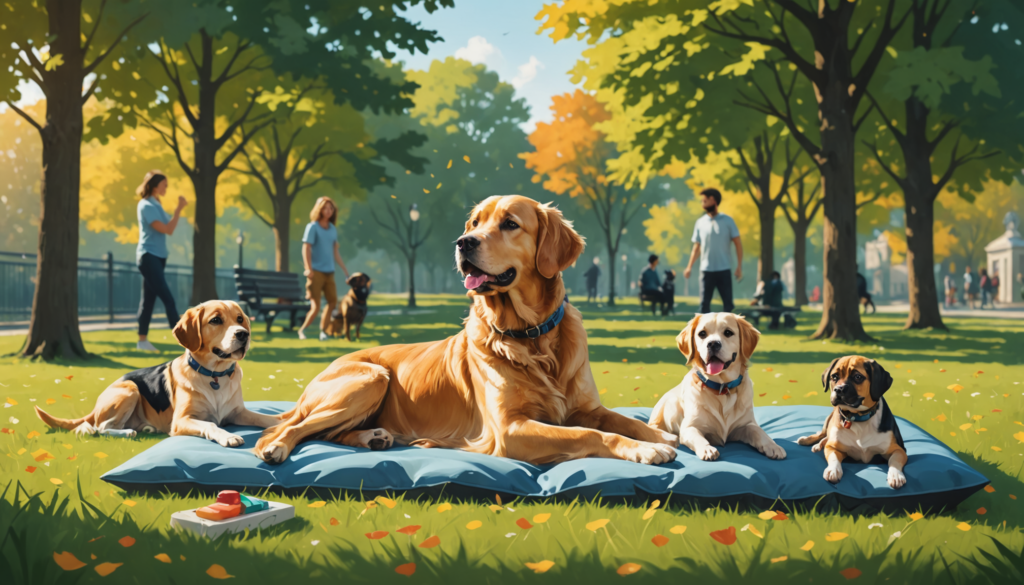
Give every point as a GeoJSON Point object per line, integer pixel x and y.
{"type": "Point", "coordinates": [269, 293]}
{"type": "Point", "coordinates": [754, 314]}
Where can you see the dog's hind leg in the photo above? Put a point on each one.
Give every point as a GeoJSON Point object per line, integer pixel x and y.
{"type": "Point", "coordinates": [339, 400]}
{"type": "Point", "coordinates": [114, 409]}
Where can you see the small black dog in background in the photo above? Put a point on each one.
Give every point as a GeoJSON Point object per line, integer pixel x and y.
{"type": "Point", "coordinates": [669, 290]}
{"type": "Point", "coordinates": [351, 311]}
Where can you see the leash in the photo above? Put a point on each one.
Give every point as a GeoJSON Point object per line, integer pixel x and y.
{"type": "Point", "coordinates": [203, 371]}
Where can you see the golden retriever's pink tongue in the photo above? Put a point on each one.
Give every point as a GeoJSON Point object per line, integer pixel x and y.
{"type": "Point", "coordinates": [715, 367]}
{"type": "Point", "coordinates": [475, 280]}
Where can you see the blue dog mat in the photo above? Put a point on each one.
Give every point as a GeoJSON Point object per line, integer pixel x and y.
{"type": "Point", "coordinates": [936, 477]}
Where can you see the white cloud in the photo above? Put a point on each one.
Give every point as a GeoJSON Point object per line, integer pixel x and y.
{"type": "Point", "coordinates": [527, 71]}
{"type": "Point", "coordinates": [477, 50]}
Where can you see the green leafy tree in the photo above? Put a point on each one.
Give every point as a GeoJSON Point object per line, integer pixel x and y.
{"type": "Point", "coordinates": [60, 46]}
{"type": "Point", "coordinates": [204, 95]}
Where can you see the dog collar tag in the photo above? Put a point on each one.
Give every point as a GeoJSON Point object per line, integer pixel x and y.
{"type": "Point", "coordinates": [214, 384]}
{"type": "Point", "coordinates": [847, 424]}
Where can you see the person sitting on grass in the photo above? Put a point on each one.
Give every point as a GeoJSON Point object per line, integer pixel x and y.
{"type": "Point", "coordinates": [863, 294]}
{"type": "Point", "coordinates": [650, 285]}
{"type": "Point", "coordinates": [770, 295]}
{"type": "Point", "coordinates": [319, 253]}
{"type": "Point", "coordinates": [668, 291]}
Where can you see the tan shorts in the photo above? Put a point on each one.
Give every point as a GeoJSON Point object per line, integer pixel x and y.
{"type": "Point", "coordinates": [321, 283]}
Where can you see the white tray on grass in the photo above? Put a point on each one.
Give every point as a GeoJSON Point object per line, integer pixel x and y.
{"type": "Point", "coordinates": [187, 520]}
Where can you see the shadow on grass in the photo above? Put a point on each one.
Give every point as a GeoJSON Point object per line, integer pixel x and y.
{"type": "Point", "coordinates": [36, 531]}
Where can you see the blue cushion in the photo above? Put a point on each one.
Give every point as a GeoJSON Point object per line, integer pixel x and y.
{"type": "Point", "coordinates": [936, 477]}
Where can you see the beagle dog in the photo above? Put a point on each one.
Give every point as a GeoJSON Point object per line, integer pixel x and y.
{"type": "Point", "coordinates": [351, 311]}
{"type": "Point", "coordinates": [714, 403]}
{"type": "Point", "coordinates": [861, 427]}
{"type": "Point", "coordinates": [191, 395]}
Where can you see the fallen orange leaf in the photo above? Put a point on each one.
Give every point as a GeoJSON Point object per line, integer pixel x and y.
{"type": "Point", "coordinates": [67, 561]}
{"type": "Point", "coordinates": [377, 535]}
{"type": "Point", "coordinates": [726, 536]}
{"type": "Point", "coordinates": [334, 522]}
{"type": "Point", "coordinates": [163, 558]}
{"type": "Point", "coordinates": [982, 511]}
{"type": "Point", "coordinates": [524, 524]}
{"type": "Point", "coordinates": [628, 568]}
{"type": "Point", "coordinates": [780, 559]}
{"type": "Point", "coordinates": [410, 530]}
{"type": "Point", "coordinates": [126, 541]}
{"type": "Point", "coordinates": [660, 541]}
{"type": "Point", "coordinates": [407, 569]}
{"type": "Point", "coordinates": [218, 572]}
{"type": "Point", "coordinates": [105, 569]}
{"type": "Point", "coordinates": [540, 567]}
{"type": "Point", "coordinates": [430, 542]}
{"type": "Point", "coordinates": [989, 489]}
{"type": "Point", "coordinates": [850, 573]}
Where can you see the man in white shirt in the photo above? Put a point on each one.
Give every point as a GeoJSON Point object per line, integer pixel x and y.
{"type": "Point", "coordinates": [711, 236]}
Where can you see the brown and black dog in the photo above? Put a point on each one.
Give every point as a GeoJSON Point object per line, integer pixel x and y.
{"type": "Point", "coordinates": [351, 311]}
{"type": "Point", "coordinates": [515, 382]}
{"type": "Point", "coordinates": [193, 394]}
{"type": "Point", "coordinates": [861, 427]}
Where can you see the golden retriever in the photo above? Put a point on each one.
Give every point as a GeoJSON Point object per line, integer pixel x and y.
{"type": "Point", "coordinates": [175, 397]}
{"type": "Point", "coordinates": [482, 390]}
{"type": "Point", "coordinates": [715, 401]}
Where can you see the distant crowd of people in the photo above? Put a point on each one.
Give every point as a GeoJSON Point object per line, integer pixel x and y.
{"type": "Point", "coordinates": [977, 291]}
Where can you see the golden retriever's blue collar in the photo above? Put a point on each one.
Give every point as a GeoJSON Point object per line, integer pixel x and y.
{"type": "Point", "coordinates": [203, 371]}
{"type": "Point", "coordinates": [848, 418]}
{"type": "Point", "coordinates": [719, 387]}
{"type": "Point", "coordinates": [537, 331]}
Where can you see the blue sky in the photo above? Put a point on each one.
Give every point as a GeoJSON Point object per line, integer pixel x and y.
{"type": "Point", "coordinates": [502, 35]}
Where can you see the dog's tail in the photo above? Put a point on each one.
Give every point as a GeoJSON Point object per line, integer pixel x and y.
{"type": "Point", "coordinates": [63, 423]}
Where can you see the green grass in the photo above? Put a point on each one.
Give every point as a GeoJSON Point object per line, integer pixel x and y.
{"type": "Point", "coordinates": [634, 357]}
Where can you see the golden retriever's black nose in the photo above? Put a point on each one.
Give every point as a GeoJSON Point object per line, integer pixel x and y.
{"type": "Point", "coordinates": [467, 243]}
{"type": "Point", "coordinates": [241, 335]}
{"type": "Point", "coordinates": [714, 346]}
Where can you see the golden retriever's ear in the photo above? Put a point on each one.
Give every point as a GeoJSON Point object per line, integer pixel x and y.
{"type": "Point", "coordinates": [749, 336]}
{"type": "Point", "coordinates": [189, 329]}
{"type": "Point", "coordinates": [558, 245]}
{"type": "Point", "coordinates": [684, 341]}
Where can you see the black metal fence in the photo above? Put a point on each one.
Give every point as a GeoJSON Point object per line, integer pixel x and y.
{"type": "Point", "coordinates": [105, 287]}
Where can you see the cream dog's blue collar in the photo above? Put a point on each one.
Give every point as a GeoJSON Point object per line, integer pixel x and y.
{"type": "Point", "coordinates": [719, 387]}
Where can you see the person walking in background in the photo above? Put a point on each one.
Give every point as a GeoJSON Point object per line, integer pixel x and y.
{"type": "Point", "coordinates": [151, 253]}
{"type": "Point", "coordinates": [993, 285]}
{"type": "Point", "coordinates": [591, 276]}
{"type": "Point", "coordinates": [970, 288]}
{"type": "Point", "coordinates": [319, 253]}
{"type": "Point", "coordinates": [949, 286]}
{"type": "Point", "coordinates": [711, 236]}
{"type": "Point", "coordinates": [650, 285]}
{"type": "Point", "coordinates": [984, 286]}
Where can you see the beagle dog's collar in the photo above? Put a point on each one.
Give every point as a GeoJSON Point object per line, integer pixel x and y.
{"type": "Point", "coordinates": [537, 331]}
{"type": "Point", "coordinates": [718, 387]}
{"type": "Point", "coordinates": [847, 419]}
{"type": "Point", "coordinates": [203, 371]}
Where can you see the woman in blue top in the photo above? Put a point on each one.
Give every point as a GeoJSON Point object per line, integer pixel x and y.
{"type": "Point", "coordinates": [151, 255]}
{"type": "Point", "coordinates": [319, 253]}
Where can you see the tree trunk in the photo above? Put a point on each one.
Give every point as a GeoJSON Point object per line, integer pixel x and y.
{"type": "Point", "coordinates": [840, 315]}
{"type": "Point", "coordinates": [204, 238]}
{"type": "Point", "coordinates": [611, 273]}
{"type": "Point", "coordinates": [919, 194]}
{"type": "Point", "coordinates": [412, 280]}
{"type": "Point", "coordinates": [767, 216]}
{"type": "Point", "coordinates": [800, 263]}
{"type": "Point", "coordinates": [53, 329]}
{"type": "Point", "coordinates": [282, 229]}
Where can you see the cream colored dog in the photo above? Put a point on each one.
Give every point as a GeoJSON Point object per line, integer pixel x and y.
{"type": "Point", "coordinates": [715, 401]}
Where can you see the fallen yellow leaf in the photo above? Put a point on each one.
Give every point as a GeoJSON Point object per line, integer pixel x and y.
{"type": "Point", "coordinates": [965, 426]}
{"type": "Point", "coordinates": [929, 395]}
{"type": "Point", "coordinates": [955, 387]}
{"type": "Point", "coordinates": [780, 559]}
{"type": "Point", "coordinates": [807, 545]}
{"type": "Point", "coordinates": [597, 524]}
{"type": "Point", "coordinates": [996, 449]}
{"type": "Point", "coordinates": [649, 514]}
{"type": "Point", "coordinates": [386, 501]}
{"type": "Point", "coordinates": [541, 518]}
{"type": "Point", "coordinates": [218, 572]}
{"type": "Point", "coordinates": [319, 504]}
{"type": "Point", "coordinates": [105, 569]}
{"type": "Point", "coordinates": [767, 515]}
{"type": "Point", "coordinates": [474, 525]}
{"type": "Point", "coordinates": [163, 558]}
{"type": "Point", "coordinates": [129, 503]}
{"type": "Point", "coordinates": [540, 567]}
{"type": "Point", "coordinates": [752, 530]}
{"type": "Point", "coordinates": [495, 508]}
{"type": "Point", "coordinates": [55, 481]}
{"type": "Point", "coordinates": [835, 536]}
{"type": "Point", "coordinates": [466, 158]}
{"type": "Point", "coordinates": [916, 516]}
{"type": "Point", "coordinates": [100, 455]}
{"type": "Point", "coordinates": [628, 569]}
{"type": "Point", "coordinates": [444, 508]}
{"type": "Point", "coordinates": [964, 526]}
{"type": "Point", "coordinates": [1019, 436]}
{"type": "Point", "coordinates": [679, 529]}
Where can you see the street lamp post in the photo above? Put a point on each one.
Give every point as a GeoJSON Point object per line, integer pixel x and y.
{"type": "Point", "coordinates": [625, 268]}
{"type": "Point", "coordinates": [239, 240]}
{"type": "Point", "coordinates": [414, 216]}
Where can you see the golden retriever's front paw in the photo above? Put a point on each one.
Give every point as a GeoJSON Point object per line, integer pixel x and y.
{"type": "Point", "coordinates": [667, 438]}
{"type": "Point", "coordinates": [804, 441]}
{"type": "Point", "coordinates": [707, 453]}
{"type": "Point", "coordinates": [229, 440]}
{"type": "Point", "coordinates": [375, 439]}
{"type": "Point", "coordinates": [649, 453]}
{"type": "Point", "coordinates": [773, 451]}
{"type": "Point", "coordinates": [273, 453]}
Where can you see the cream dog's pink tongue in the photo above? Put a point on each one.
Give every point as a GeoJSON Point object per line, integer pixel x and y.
{"type": "Point", "coordinates": [475, 280]}
{"type": "Point", "coordinates": [715, 367]}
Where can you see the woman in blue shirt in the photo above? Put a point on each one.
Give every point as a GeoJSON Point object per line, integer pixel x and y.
{"type": "Point", "coordinates": [319, 253]}
{"type": "Point", "coordinates": [151, 255]}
